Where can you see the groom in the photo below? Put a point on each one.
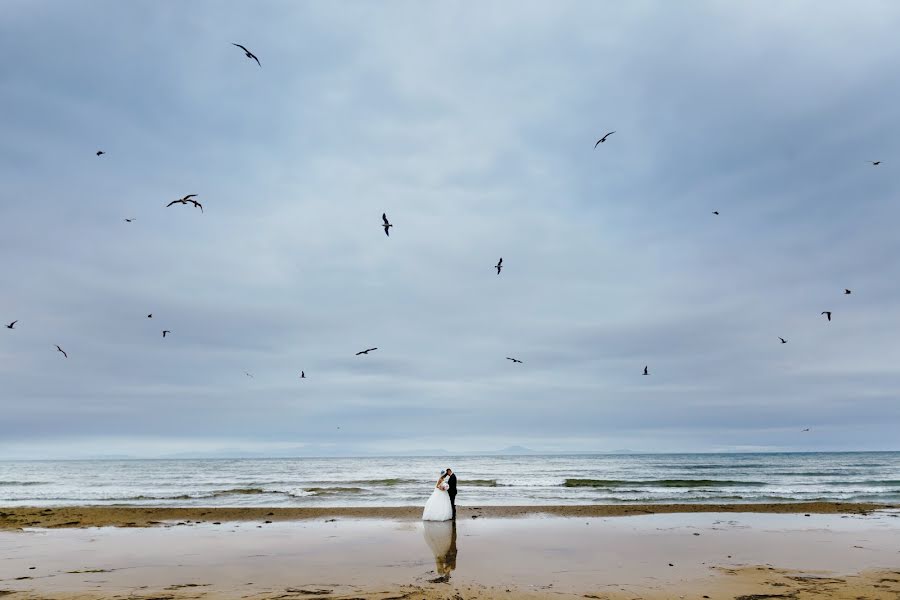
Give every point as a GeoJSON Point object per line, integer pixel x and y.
{"type": "Point", "coordinates": [451, 481]}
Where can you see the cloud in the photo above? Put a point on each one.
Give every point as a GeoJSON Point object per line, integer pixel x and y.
{"type": "Point", "coordinates": [472, 127]}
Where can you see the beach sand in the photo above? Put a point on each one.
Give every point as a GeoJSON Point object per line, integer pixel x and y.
{"type": "Point", "coordinates": [144, 516]}
{"type": "Point", "coordinates": [700, 554]}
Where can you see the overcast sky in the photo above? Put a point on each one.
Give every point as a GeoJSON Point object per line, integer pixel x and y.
{"type": "Point", "coordinates": [472, 125]}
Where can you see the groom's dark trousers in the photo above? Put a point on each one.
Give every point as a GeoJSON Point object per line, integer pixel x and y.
{"type": "Point", "coordinates": [452, 491]}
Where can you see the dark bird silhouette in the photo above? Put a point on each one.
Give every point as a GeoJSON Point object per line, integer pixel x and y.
{"type": "Point", "coordinates": [63, 351]}
{"type": "Point", "coordinates": [131, 220]}
{"type": "Point", "coordinates": [603, 139]}
{"type": "Point", "coordinates": [807, 429]}
{"type": "Point", "coordinates": [499, 266]}
{"type": "Point", "coordinates": [783, 341]}
{"type": "Point", "coordinates": [248, 374]}
{"type": "Point", "coordinates": [646, 372]}
{"type": "Point", "coordinates": [715, 212]}
{"type": "Point", "coordinates": [185, 200]}
{"type": "Point", "coordinates": [150, 316]}
{"type": "Point", "coordinates": [100, 152]}
{"type": "Point", "coordinates": [366, 351]}
{"type": "Point", "coordinates": [387, 225]}
{"type": "Point", "coordinates": [12, 325]}
{"type": "Point", "coordinates": [827, 313]}
{"type": "Point", "coordinates": [302, 374]}
{"type": "Point", "coordinates": [247, 53]}
{"type": "Point", "coordinates": [515, 360]}
{"type": "Point", "coordinates": [847, 292]}
{"type": "Point", "coordinates": [875, 163]}
{"type": "Point", "coordinates": [166, 331]}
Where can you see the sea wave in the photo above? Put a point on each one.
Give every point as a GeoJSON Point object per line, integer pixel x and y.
{"type": "Point", "coordinates": [334, 491]}
{"type": "Point", "coordinates": [23, 483]}
{"type": "Point", "coordinates": [388, 482]}
{"type": "Point", "coordinates": [666, 483]}
{"type": "Point", "coordinates": [241, 491]}
{"type": "Point", "coordinates": [478, 483]}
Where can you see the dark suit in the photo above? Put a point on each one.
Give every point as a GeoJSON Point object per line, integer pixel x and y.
{"type": "Point", "coordinates": [452, 491]}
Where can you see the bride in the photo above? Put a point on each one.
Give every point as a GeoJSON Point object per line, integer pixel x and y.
{"type": "Point", "coordinates": [438, 507]}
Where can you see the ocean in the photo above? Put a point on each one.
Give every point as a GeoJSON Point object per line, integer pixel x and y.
{"type": "Point", "coordinates": [483, 480]}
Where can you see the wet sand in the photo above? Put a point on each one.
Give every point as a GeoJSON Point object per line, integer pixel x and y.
{"type": "Point", "coordinates": [742, 556]}
{"type": "Point", "coordinates": [143, 516]}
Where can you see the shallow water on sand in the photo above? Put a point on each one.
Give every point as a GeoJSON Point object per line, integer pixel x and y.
{"type": "Point", "coordinates": [564, 554]}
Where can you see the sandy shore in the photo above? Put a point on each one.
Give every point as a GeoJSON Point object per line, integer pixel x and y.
{"type": "Point", "coordinates": [738, 556]}
{"type": "Point", "coordinates": [143, 516]}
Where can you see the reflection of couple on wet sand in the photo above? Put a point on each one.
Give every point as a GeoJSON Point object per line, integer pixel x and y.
{"type": "Point", "coordinates": [439, 519]}
{"type": "Point", "coordinates": [441, 538]}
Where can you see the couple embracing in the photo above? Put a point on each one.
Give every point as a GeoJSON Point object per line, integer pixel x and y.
{"type": "Point", "coordinates": [441, 506]}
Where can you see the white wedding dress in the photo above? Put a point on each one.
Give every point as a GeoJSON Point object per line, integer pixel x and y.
{"type": "Point", "coordinates": [438, 507]}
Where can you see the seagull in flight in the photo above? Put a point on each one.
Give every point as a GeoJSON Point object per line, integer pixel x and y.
{"type": "Point", "coordinates": [715, 212]}
{"type": "Point", "coordinates": [247, 53]}
{"type": "Point", "coordinates": [302, 374]}
{"type": "Point", "coordinates": [165, 331]}
{"type": "Point", "coordinates": [847, 292]}
{"type": "Point", "coordinates": [783, 341]}
{"type": "Point", "coordinates": [100, 152]}
{"type": "Point", "coordinates": [12, 325]}
{"type": "Point", "coordinates": [248, 374]}
{"type": "Point", "coordinates": [150, 316]}
{"type": "Point", "coordinates": [499, 266]}
{"type": "Point", "coordinates": [387, 225]}
{"type": "Point", "coordinates": [827, 313]}
{"type": "Point", "coordinates": [63, 351]}
{"type": "Point", "coordinates": [366, 351]}
{"type": "Point", "coordinates": [185, 200]}
{"type": "Point", "coordinates": [603, 139]}
{"type": "Point", "coordinates": [515, 360]}
{"type": "Point", "coordinates": [646, 372]}
{"type": "Point", "coordinates": [131, 220]}
{"type": "Point", "coordinates": [807, 429]}
{"type": "Point", "coordinates": [875, 163]}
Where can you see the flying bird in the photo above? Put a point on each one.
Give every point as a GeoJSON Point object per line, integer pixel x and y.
{"type": "Point", "coordinates": [248, 374]}
{"type": "Point", "coordinates": [150, 316]}
{"type": "Point", "coordinates": [783, 341]}
{"type": "Point", "coordinates": [827, 313]}
{"type": "Point", "coordinates": [12, 325]}
{"type": "Point", "coordinates": [247, 53]}
{"type": "Point", "coordinates": [875, 163]}
{"type": "Point", "coordinates": [387, 225]}
{"type": "Point", "coordinates": [807, 429]}
{"type": "Point", "coordinates": [499, 266]}
{"type": "Point", "coordinates": [366, 351]}
{"type": "Point", "coordinates": [515, 360]}
{"type": "Point", "coordinates": [63, 351]}
{"type": "Point", "coordinates": [715, 212]}
{"type": "Point", "coordinates": [603, 139]}
{"type": "Point", "coordinates": [302, 375]}
{"type": "Point", "coordinates": [100, 152]}
{"type": "Point", "coordinates": [165, 331]}
{"type": "Point", "coordinates": [131, 220]}
{"type": "Point", "coordinates": [847, 292]}
{"type": "Point", "coordinates": [645, 371]}
{"type": "Point", "coordinates": [185, 200]}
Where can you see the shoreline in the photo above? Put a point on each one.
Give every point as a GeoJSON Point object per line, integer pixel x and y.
{"type": "Point", "coordinates": [14, 518]}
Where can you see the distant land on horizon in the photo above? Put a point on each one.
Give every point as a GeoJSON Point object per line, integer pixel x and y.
{"type": "Point", "coordinates": [319, 452]}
